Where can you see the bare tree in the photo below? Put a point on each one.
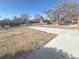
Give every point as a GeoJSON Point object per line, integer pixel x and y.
{"type": "Point", "coordinates": [68, 10]}
{"type": "Point", "coordinates": [4, 22]}
{"type": "Point", "coordinates": [55, 13]}
{"type": "Point", "coordinates": [24, 18]}
{"type": "Point", "coordinates": [72, 10]}
{"type": "Point", "coordinates": [14, 18]}
{"type": "Point", "coordinates": [37, 18]}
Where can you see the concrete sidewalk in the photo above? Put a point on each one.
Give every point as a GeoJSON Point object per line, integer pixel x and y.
{"type": "Point", "coordinates": [64, 46]}
{"type": "Point", "coordinates": [49, 30]}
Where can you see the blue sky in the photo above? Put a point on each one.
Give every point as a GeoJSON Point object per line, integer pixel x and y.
{"type": "Point", "coordinates": [9, 8]}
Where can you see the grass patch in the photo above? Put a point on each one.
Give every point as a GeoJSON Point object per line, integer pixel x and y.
{"type": "Point", "coordinates": [62, 26]}
{"type": "Point", "coordinates": [22, 42]}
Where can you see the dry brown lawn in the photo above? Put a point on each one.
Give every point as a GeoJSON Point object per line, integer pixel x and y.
{"type": "Point", "coordinates": [21, 42]}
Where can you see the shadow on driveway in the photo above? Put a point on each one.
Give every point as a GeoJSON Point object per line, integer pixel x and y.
{"type": "Point", "coordinates": [51, 53]}
{"type": "Point", "coordinates": [43, 53]}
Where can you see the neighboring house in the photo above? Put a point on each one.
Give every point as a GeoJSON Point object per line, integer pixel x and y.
{"type": "Point", "coordinates": [68, 21]}
{"type": "Point", "coordinates": [74, 21]}
{"type": "Point", "coordinates": [41, 21]}
{"type": "Point", "coordinates": [78, 22]}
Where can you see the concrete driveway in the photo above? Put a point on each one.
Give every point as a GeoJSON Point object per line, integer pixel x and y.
{"type": "Point", "coordinates": [64, 46]}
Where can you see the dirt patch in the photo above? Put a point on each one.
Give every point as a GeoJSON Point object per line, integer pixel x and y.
{"type": "Point", "coordinates": [22, 42]}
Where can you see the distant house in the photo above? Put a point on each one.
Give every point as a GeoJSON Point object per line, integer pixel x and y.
{"type": "Point", "coordinates": [74, 21]}
{"type": "Point", "coordinates": [40, 21]}
{"type": "Point", "coordinates": [67, 21]}
{"type": "Point", "coordinates": [78, 22]}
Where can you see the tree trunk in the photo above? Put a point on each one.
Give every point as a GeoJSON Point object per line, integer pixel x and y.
{"type": "Point", "coordinates": [58, 17]}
